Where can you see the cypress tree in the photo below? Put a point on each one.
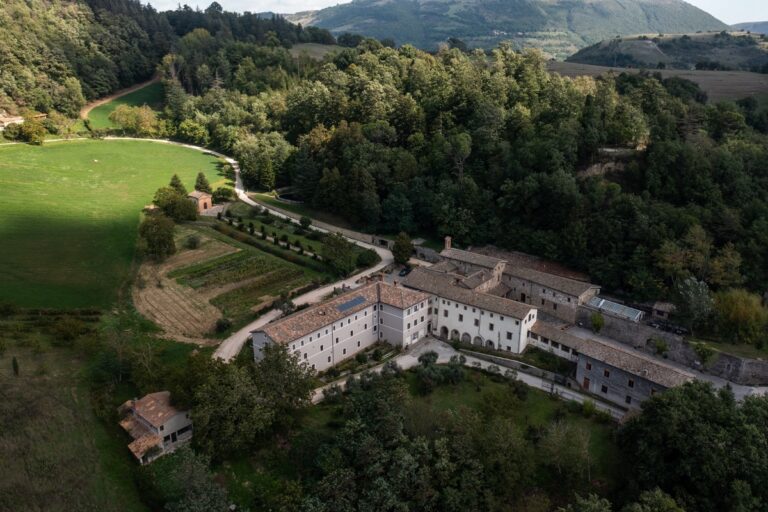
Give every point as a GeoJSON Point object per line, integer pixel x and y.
{"type": "Point", "coordinates": [201, 183]}
{"type": "Point", "coordinates": [15, 365]}
{"type": "Point", "coordinates": [178, 185]}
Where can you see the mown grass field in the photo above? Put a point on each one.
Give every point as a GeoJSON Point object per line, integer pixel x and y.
{"type": "Point", "coordinates": [151, 95]}
{"type": "Point", "coordinates": [70, 213]}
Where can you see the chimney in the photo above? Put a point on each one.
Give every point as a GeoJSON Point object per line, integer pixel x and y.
{"type": "Point", "coordinates": [447, 243]}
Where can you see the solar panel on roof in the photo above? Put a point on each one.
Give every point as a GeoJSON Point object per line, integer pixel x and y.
{"type": "Point", "coordinates": [350, 304]}
{"type": "Point", "coordinates": [616, 309]}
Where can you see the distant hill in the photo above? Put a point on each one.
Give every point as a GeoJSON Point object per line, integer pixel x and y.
{"type": "Point", "coordinates": [559, 27]}
{"type": "Point", "coordinates": [758, 27]}
{"type": "Point", "coordinates": [705, 51]}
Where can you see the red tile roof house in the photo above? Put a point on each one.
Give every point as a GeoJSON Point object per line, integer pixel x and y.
{"type": "Point", "coordinates": [155, 425]}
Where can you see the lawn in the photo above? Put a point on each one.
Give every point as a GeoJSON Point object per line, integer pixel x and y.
{"type": "Point", "coordinates": [151, 95]}
{"type": "Point", "coordinates": [57, 456]}
{"type": "Point", "coordinates": [70, 213]}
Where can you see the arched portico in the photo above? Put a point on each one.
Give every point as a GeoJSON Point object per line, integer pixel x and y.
{"type": "Point", "coordinates": [466, 338]}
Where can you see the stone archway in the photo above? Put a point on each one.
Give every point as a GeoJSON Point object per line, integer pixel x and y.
{"type": "Point", "coordinates": [454, 335]}
{"type": "Point", "coordinates": [444, 332]}
{"type": "Point", "coordinates": [466, 338]}
{"type": "Point", "coordinates": [478, 341]}
{"type": "Point", "coordinates": [490, 345]}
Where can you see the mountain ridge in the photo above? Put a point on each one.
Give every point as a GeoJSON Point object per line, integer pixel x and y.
{"type": "Point", "coordinates": [559, 27]}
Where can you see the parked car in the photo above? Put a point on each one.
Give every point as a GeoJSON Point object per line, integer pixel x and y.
{"type": "Point", "coordinates": [405, 271]}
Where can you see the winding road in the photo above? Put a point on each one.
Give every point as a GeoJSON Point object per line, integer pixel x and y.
{"type": "Point", "coordinates": [232, 346]}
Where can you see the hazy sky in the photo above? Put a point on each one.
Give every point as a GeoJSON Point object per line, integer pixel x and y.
{"type": "Point", "coordinates": [729, 11]}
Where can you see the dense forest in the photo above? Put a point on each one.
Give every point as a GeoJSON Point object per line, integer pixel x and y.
{"type": "Point", "coordinates": [56, 55]}
{"type": "Point", "coordinates": [490, 149]}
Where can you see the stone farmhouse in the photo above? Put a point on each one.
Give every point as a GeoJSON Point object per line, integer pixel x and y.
{"type": "Point", "coordinates": [478, 300]}
{"type": "Point", "coordinates": [155, 425]}
{"type": "Point", "coordinates": [202, 200]}
{"type": "Point", "coordinates": [325, 334]}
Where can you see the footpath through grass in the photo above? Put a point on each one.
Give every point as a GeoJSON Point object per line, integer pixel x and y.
{"type": "Point", "coordinates": [151, 95]}
{"type": "Point", "coordinates": [70, 213]}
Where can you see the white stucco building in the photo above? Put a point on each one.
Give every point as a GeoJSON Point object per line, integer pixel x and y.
{"type": "Point", "coordinates": [471, 316]}
{"type": "Point", "coordinates": [325, 334]}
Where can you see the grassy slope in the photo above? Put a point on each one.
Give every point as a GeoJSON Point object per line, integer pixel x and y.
{"type": "Point", "coordinates": [151, 95]}
{"type": "Point", "coordinates": [56, 455]}
{"type": "Point", "coordinates": [70, 212]}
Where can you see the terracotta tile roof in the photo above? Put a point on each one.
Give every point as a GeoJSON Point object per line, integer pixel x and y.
{"type": "Point", "coordinates": [155, 408]}
{"type": "Point", "coordinates": [196, 194]}
{"type": "Point", "coordinates": [551, 281]}
{"type": "Point", "coordinates": [473, 258]}
{"type": "Point", "coordinates": [626, 359]}
{"type": "Point", "coordinates": [444, 285]}
{"type": "Point", "coordinates": [320, 315]}
{"type": "Point", "coordinates": [143, 444]}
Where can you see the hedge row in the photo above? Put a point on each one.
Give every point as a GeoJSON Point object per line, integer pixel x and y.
{"type": "Point", "coordinates": [268, 247]}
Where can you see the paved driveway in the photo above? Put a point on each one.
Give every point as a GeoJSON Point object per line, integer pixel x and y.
{"type": "Point", "coordinates": [232, 346]}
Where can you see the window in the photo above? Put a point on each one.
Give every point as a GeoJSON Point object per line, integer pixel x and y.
{"type": "Point", "coordinates": [374, 307]}
{"type": "Point", "coordinates": [473, 310]}
{"type": "Point", "coordinates": [509, 335]}
{"type": "Point", "coordinates": [408, 311]}
{"type": "Point", "coordinates": [326, 331]}
{"type": "Point", "coordinates": [429, 311]}
{"type": "Point", "coordinates": [445, 314]}
{"type": "Point", "coordinates": [355, 317]}
{"type": "Point", "coordinates": [302, 343]}
{"type": "Point", "coordinates": [337, 340]}
{"type": "Point", "coordinates": [517, 322]}
{"type": "Point", "coordinates": [293, 347]}
{"type": "Point", "coordinates": [477, 322]}
{"type": "Point", "coordinates": [653, 392]}
{"type": "Point", "coordinates": [313, 367]}
{"type": "Point", "coordinates": [491, 315]}
{"type": "Point", "coordinates": [305, 356]}
{"type": "Point", "coordinates": [310, 338]}
{"type": "Point", "coordinates": [542, 302]}
{"type": "Point", "coordinates": [555, 344]}
{"type": "Point", "coordinates": [490, 326]}
{"type": "Point", "coordinates": [465, 308]}
{"type": "Point", "coordinates": [461, 318]}
{"type": "Point", "coordinates": [321, 348]}
{"type": "Point", "coordinates": [628, 400]}
{"type": "Point", "coordinates": [554, 306]}
{"type": "Point", "coordinates": [351, 333]}
{"type": "Point", "coordinates": [533, 336]}
{"type": "Point", "coordinates": [501, 318]}
{"type": "Point", "coordinates": [421, 319]}
{"type": "Point", "coordinates": [604, 389]}
{"type": "Point", "coordinates": [631, 383]}
{"type": "Point", "coordinates": [374, 328]}
{"type": "Point", "coordinates": [606, 373]}
{"type": "Point", "coordinates": [543, 290]}
{"type": "Point", "coordinates": [409, 325]}
{"type": "Point", "coordinates": [381, 320]}
{"type": "Point", "coordinates": [358, 343]}
{"type": "Point", "coordinates": [589, 366]}
{"type": "Point", "coordinates": [345, 351]}
{"type": "Point", "coordinates": [365, 326]}
{"type": "Point", "coordinates": [569, 299]}
{"type": "Point", "coordinates": [162, 427]}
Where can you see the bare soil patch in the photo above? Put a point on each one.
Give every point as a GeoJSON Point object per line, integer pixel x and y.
{"type": "Point", "coordinates": [183, 313]}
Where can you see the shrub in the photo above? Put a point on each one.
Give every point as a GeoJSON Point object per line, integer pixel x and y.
{"type": "Point", "coordinates": [305, 222]}
{"type": "Point", "coordinates": [588, 408]}
{"type": "Point", "coordinates": [367, 258]}
{"type": "Point", "coordinates": [361, 358]}
{"type": "Point", "coordinates": [67, 329]}
{"type": "Point", "coordinates": [223, 324]}
{"type": "Point", "coordinates": [192, 242]}
{"type": "Point", "coordinates": [598, 322]}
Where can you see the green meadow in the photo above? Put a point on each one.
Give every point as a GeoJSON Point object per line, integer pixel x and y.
{"type": "Point", "coordinates": [151, 95]}
{"type": "Point", "coordinates": [70, 211]}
